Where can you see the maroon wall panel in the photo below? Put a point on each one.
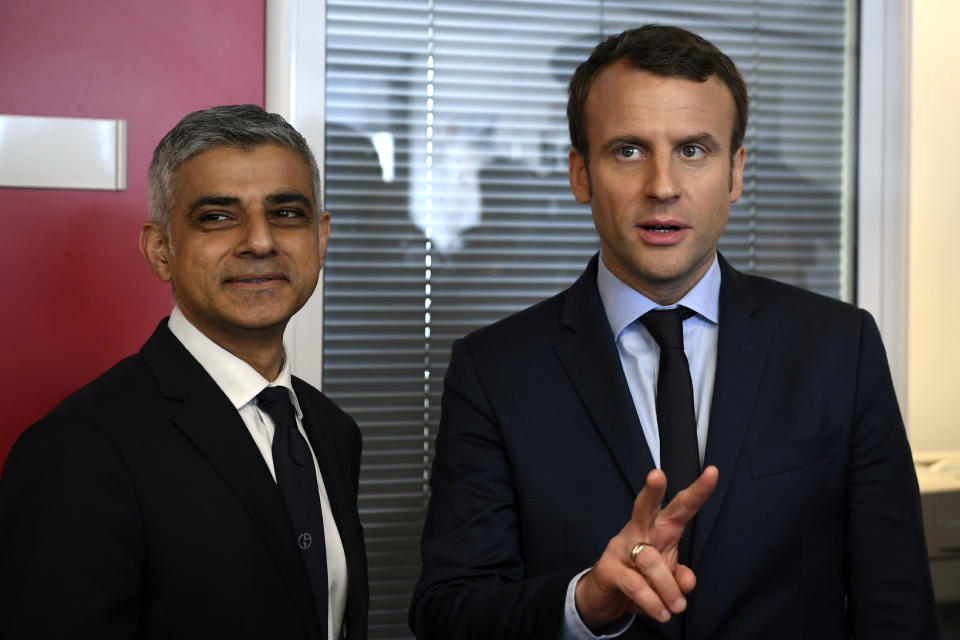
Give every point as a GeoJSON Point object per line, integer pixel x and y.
{"type": "Point", "coordinates": [75, 294]}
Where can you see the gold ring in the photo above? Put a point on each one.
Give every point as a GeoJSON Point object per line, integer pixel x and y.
{"type": "Point", "coordinates": [637, 548]}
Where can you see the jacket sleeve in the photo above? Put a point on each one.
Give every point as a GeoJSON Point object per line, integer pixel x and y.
{"type": "Point", "coordinates": [473, 584]}
{"type": "Point", "coordinates": [887, 568]}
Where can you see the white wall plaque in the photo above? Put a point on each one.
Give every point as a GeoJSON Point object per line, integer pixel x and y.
{"type": "Point", "coordinates": [63, 153]}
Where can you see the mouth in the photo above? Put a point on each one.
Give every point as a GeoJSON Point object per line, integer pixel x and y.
{"type": "Point", "coordinates": [661, 228]}
{"type": "Point", "coordinates": [663, 233]}
{"type": "Point", "coordinates": [255, 279]}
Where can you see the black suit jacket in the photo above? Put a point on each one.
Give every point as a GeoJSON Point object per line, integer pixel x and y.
{"type": "Point", "coordinates": [140, 507]}
{"type": "Point", "coordinates": [813, 531]}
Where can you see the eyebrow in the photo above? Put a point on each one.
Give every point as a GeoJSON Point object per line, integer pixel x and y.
{"type": "Point", "coordinates": [616, 141]}
{"type": "Point", "coordinates": [213, 201]}
{"type": "Point", "coordinates": [705, 139]}
{"type": "Point", "coordinates": [284, 197]}
{"type": "Point", "coordinates": [288, 197]}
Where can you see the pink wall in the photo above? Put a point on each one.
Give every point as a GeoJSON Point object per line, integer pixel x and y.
{"type": "Point", "coordinates": [75, 294]}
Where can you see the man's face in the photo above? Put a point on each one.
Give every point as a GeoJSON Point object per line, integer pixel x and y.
{"type": "Point", "coordinates": [245, 243]}
{"type": "Point", "coordinates": [660, 178]}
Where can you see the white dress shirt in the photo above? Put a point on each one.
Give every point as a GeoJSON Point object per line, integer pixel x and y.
{"type": "Point", "coordinates": [640, 359]}
{"type": "Point", "coordinates": [640, 354]}
{"type": "Point", "coordinates": [241, 383]}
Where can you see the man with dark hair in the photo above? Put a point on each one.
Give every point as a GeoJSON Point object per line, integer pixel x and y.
{"type": "Point", "coordinates": [670, 448]}
{"type": "Point", "coordinates": [198, 489]}
{"type": "Point", "coordinates": [661, 50]}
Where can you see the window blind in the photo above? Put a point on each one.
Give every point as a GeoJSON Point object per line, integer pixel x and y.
{"type": "Point", "coordinates": [446, 176]}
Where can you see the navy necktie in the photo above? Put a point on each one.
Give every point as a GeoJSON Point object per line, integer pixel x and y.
{"type": "Point", "coordinates": [297, 480]}
{"type": "Point", "coordinates": [676, 420]}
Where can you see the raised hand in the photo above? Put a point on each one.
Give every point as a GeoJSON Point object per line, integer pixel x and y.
{"type": "Point", "coordinates": [638, 571]}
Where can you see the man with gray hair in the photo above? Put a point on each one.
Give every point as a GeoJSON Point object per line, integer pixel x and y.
{"type": "Point", "coordinates": [197, 488]}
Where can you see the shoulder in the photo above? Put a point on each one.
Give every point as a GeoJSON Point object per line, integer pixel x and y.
{"type": "Point", "coordinates": [112, 386]}
{"type": "Point", "coordinates": [522, 326]}
{"type": "Point", "coordinates": [516, 347]}
{"type": "Point", "coordinates": [307, 393]}
{"type": "Point", "coordinates": [789, 305]}
{"type": "Point", "coordinates": [528, 339]}
{"type": "Point", "coordinates": [315, 402]}
{"type": "Point", "coordinates": [547, 321]}
{"type": "Point", "coordinates": [124, 388]}
{"type": "Point", "coordinates": [79, 437]}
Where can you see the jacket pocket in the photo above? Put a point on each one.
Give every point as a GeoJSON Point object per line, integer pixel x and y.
{"type": "Point", "coordinates": [778, 458]}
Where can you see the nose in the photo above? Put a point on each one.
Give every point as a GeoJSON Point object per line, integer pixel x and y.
{"type": "Point", "coordinates": [258, 237]}
{"type": "Point", "coordinates": [661, 184]}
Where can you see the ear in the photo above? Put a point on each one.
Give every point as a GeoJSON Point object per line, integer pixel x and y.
{"type": "Point", "coordinates": [736, 173]}
{"type": "Point", "coordinates": [579, 177]}
{"type": "Point", "coordinates": [324, 230]}
{"type": "Point", "coordinates": [155, 248]}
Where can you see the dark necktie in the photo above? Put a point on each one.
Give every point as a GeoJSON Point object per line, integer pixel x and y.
{"type": "Point", "coordinates": [297, 480]}
{"type": "Point", "coordinates": [677, 422]}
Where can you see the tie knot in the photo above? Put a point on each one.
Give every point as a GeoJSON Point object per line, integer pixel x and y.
{"type": "Point", "coordinates": [666, 326]}
{"type": "Point", "coordinates": [276, 402]}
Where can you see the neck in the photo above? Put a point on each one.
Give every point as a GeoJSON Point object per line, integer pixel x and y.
{"type": "Point", "coordinates": [266, 359]}
{"type": "Point", "coordinates": [263, 353]}
{"type": "Point", "coordinates": [663, 291]}
{"type": "Point", "coordinates": [666, 297]}
{"type": "Point", "coordinates": [261, 348]}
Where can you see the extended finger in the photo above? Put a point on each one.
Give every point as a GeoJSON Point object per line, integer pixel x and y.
{"type": "Point", "coordinates": [646, 506]}
{"type": "Point", "coordinates": [688, 501]}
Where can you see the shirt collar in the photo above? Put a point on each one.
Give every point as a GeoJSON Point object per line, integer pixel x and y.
{"type": "Point", "coordinates": [238, 380]}
{"type": "Point", "coordinates": [624, 304]}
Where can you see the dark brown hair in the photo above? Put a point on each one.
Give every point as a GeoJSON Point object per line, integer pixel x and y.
{"type": "Point", "coordinates": [664, 51]}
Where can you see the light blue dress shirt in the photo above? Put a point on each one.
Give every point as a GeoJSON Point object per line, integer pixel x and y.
{"type": "Point", "coordinates": [640, 359]}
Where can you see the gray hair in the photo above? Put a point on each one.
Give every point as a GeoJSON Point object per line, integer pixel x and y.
{"type": "Point", "coordinates": [243, 126]}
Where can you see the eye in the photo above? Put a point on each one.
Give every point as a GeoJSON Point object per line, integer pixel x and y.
{"type": "Point", "coordinates": [692, 151]}
{"type": "Point", "coordinates": [213, 216]}
{"type": "Point", "coordinates": [628, 152]}
{"type": "Point", "coordinates": [294, 217]}
{"type": "Point", "coordinates": [288, 213]}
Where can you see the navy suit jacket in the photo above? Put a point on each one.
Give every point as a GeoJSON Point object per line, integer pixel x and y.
{"type": "Point", "coordinates": [813, 531]}
{"type": "Point", "coordinates": [141, 507]}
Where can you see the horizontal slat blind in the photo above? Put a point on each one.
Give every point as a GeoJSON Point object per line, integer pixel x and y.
{"type": "Point", "coordinates": [446, 177]}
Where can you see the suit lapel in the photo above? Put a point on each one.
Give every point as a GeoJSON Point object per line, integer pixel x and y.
{"type": "Point", "coordinates": [215, 428]}
{"type": "Point", "coordinates": [589, 356]}
{"type": "Point", "coordinates": [742, 346]}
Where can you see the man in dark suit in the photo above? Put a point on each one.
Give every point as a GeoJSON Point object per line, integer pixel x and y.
{"type": "Point", "coordinates": [156, 502]}
{"type": "Point", "coordinates": [565, 427]}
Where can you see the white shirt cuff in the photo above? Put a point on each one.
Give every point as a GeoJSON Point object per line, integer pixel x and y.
{"type": "Point", "coordinates": [573, 627]}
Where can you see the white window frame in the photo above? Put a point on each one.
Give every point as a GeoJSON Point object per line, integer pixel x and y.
{"type": "Point", "coordinates": [294, 87]}
{"type": "Point", "coordinates": [883, 185]}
